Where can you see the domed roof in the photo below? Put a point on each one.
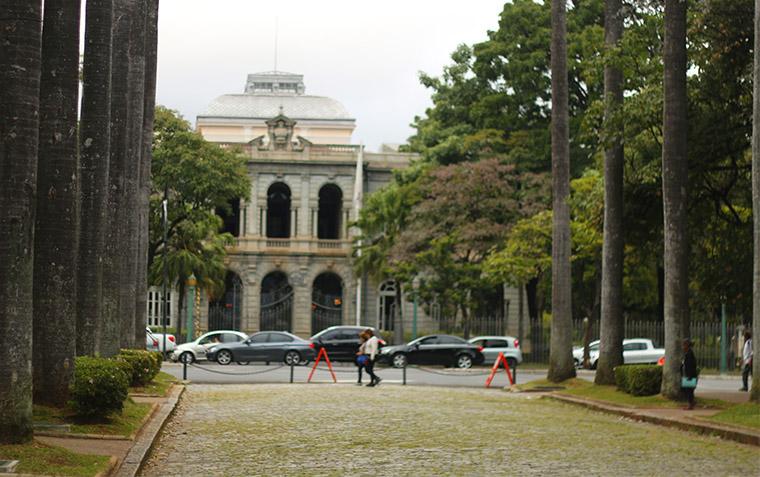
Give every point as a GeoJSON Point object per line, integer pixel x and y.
{"type": "Point", "coordinates": [262, 106]}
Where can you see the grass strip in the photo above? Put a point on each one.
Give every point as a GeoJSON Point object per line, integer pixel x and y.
{"type": "Point", "coordinates": [123, 424]}
{"type": "Point", "coordinates": [39, 458]}
{"type": "Point", "coordinates": [158, 387]}
{"type": "Point", "coordinates": [747, 414]}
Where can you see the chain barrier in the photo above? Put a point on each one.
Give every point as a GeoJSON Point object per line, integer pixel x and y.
{"type": "Point", "coordinates": [208, 370]}
{"type": "Point", "coordinates": [449, 373]}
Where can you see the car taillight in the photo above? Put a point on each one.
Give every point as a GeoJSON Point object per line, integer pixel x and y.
{"type": "Point", "coordinates": [312, 345]}
{"type": "Point", "coordinates": [171, 338]}
{"type": "Point", "coordinates": [517, 343]}
{"type": "Point", "coordinates": [661, 361]}
{"type": "Point", "coordinates": [480, 348]}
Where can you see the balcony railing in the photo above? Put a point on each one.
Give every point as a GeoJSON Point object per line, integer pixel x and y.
{"type": "Point", "coordinates": [291, 245]}
{"type": "Point", "coordinates": [278, 243]}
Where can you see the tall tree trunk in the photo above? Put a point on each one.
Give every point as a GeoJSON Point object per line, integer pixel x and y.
{"type": "Point", "coordinates": [57, 216]}
{"type": "Point", "coordinates": [755, 392]}
{"type": "Point", "coordinates": [20, 62]}
{"type": "Point", "coordinates": [398, 326]}
{"type": "Point", "coordinates": [135, 108]}
{"type": "Point", "coordinates": [144, 184]}
{"type": "Point", "coordinates": [112, 271]}
{"type": "Point", "coordinates": [611, 327]}
{"type": "Point", "coordinates": [561, 365]}
{"type": "Point", "coordinates": [94, 146]}
{"type": "Point", "coordinates": [674, 195]}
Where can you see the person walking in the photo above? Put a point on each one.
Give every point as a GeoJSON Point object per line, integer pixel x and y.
{"type": "Point", "coordinates": [688, 372]}
{"type": "Point", "coordinates": [747, 355]}
{"type": "Point", "coordinates": [361, 357]}
{"type": "Point", "coordinates": [371, 347]}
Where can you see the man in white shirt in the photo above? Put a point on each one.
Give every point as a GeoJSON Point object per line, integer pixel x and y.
{"type": "Point", "coordinates": [746, 360]}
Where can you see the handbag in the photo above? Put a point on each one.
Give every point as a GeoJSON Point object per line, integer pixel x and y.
{"type": "Point", "coordinates": [688, 383]}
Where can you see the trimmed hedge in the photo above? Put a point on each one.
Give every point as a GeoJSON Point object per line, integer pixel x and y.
{"type": "Point", "coordinates": [99, 386]}
{"type": "Point", "coordinates": [639, 379]}
{"type": "Point", "coordinates": [144, 365]}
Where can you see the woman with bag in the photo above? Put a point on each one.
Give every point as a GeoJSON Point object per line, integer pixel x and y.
{"type": "Point", "coordinates": [688, 372]}
{"type": "Point", "coordinates": [361, 357]}
{"type": "Point", "coordinates": [371, 348]}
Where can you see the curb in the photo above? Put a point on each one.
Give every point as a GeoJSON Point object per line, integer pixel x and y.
{"type": "Point", "coordinates": [147, 436]}
{"type": "Point", "coordinates": [729, 433]}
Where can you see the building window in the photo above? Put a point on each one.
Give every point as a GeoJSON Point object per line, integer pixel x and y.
{"type": "Point", "coordinates": [230, 217]}
{"type": "Point", "coordinates": [386, 304]}
{"type": "Point", "coordinates": [278, 211]}
{"type": "Point", "coordinates": [154, 307]}
{"type": "Point", "coordinates": [330, 205]}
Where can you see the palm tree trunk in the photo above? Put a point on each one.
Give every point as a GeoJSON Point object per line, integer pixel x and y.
{"type": "Point", "coordinates": [561, 352]}
{"type": "Point", "coordinates": [611, 327]}
{"type": "Point", "coordinates": [135, 107]}
{"type": "Point", "coordinates": [674, 184]}
{"type": "Point", "coordinates": [144, 183]}
{"type": "Point", "coordinates": [94, 146]}
{"type": "Point", "coordinates": [115, 232]}
{"type": "Point", "coordinates": [57, 216]}
{"type": "Point", "coordinates": [755, 392]}
{"type": "Point", "coordinates": [20, 62]}
{"type": "Point", "coordinates": [398, 327]}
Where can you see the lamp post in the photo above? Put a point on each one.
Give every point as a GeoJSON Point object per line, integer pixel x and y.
{"type": "Point", "coordinates": [723, 338]}
{"type": "Point", "coordinates": [166, 269]}
{"type": "Point", "coordinates": [191, 283]}
{"type": "Point", "coordinates": [416, 287]}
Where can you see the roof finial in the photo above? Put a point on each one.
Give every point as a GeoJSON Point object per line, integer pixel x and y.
{"type": "Point", "coordinates": [281, 111]}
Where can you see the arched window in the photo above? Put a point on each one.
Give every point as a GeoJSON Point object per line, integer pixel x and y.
{"type": "Point", "coordinates": [326, 302]}
{"type": "Point", "coordinates": [276, 304]}
{"type": "Point", "coordinates": [330, 206]}
{"type": "Point", "coordinates": [278, 211]}
{"type": "Point", "coordinates": [386, 302]}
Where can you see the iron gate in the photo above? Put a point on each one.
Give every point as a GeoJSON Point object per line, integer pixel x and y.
{"type": "Point", "coordinates": [225, 314]}
{"type": "Point", "coordinates": [277, 309]}
{"type": "Point", "coordinates": [326, 311]}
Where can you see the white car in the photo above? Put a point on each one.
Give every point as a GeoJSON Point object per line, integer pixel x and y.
{"type": "Point", "coordinates": [493, 345]}
{"type": "Point", "coordinates": [196, 350]}
{"type": "Point", "coordinates": [155, 341]}
{"type": "Point", "coordinates": [635, 351]}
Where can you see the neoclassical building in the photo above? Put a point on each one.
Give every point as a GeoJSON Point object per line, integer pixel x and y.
{"type": "Point", "coordinates": [290, 268]}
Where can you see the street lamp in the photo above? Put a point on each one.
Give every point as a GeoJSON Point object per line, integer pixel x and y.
{"type": "Point", "coordinates": [416, 287]}
{"type": "Point", "coordinates": [166, 269]}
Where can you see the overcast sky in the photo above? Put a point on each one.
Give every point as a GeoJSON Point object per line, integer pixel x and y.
{"type": "Point", "coordinates": [366, 54]}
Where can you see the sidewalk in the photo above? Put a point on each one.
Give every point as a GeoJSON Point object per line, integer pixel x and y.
{"type": "Point", "coordinates": [676, 418]}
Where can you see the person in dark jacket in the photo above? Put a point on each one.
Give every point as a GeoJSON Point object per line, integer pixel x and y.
{"type": "Point", "coordinates": [688, 370]}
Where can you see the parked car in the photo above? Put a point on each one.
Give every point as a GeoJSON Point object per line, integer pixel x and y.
{"type": "Point", "coordinates": [341, 342]}
{"type": "Point", "coordinates": [196, 350]}
{"type": "Point", "coordinates": [264, 346]}
{"type": "Point", "coordinates": [443, 350]}
{"type": "Point", "coordinates": [635, 351]}
{"type": "Point", "coordinates": [155, 341]}
{"type": "Point", "coordinates": [493, 345]}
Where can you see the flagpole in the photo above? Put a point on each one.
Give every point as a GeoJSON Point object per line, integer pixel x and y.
{"type": "Point", "coordinates": [358, 196]}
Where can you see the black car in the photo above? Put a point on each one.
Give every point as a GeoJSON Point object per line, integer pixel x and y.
{"type": "Point", "coordinates": [443, 350]}
{"type": "Point", "coordinates": [267, 346]}
{"type": "Point", "coordinates": [340, 342]}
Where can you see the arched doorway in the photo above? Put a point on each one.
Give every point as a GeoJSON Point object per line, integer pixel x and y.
{"type": "Point", "coordinates": [386, 303]}
{"type": "Point", "coordinates": [278, 211]}
{"type": "Point", "coordinates": [326, 302]}
{"type": "Point", "coordinates": [276, 304]}
{"type": "Point", "coordinates": [224, 313]}
{"type": "Point", "coordinates": [330, 208]}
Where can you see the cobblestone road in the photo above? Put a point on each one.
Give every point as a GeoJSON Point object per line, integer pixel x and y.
{"type": "Point", "coordinates": [323, 429]}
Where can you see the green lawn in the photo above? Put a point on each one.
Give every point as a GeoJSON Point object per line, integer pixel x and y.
{"type": "Point", "coordinates": [747, 414]}
{"type": "Point", "coordinates": [123, 424]}
{"type": "Point", "coordinates": [158, 387]}
{"type": "Point", "coordinates": [38, 458]}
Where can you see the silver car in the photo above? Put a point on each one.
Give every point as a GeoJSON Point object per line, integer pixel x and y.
{"type": "Point", "coordinates": [493, 345]}
{"type": "Point", "coordinates": [196, 350]}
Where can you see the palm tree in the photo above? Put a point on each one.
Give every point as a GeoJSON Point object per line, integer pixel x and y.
{"type": "Point", "coordinates": [674, 184]}
{"type": "Point", "coordinates": [115, 231]}
{"type": "Point", "coordinates": [141, 291]}
{"type": "Point", "coordinates": [20, 63]}
{"type": "Point", "coordinates": [55, 260]}
{"type": "Point", "coordinates": [612, 324]}
{"type": "Point", "coordinates": [94, 147]}
{"type": "Point", "coordinates": [134, 125]}
{"type": "Point", "coordinates": [561, 365]}
{"type": "Point", "coordinates": [755, 394]}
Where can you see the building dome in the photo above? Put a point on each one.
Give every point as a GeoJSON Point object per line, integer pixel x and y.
{"type": "Point", "coordinates": [266, 106]}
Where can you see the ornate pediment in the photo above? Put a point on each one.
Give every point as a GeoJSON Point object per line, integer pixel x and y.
{"type": "Point", "coordinates": [280, 136]}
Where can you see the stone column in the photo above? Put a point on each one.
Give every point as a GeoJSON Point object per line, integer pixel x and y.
{"type": "Point", "coordinates": [302, 309]}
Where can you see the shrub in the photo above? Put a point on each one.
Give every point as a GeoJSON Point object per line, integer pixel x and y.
{"type": "Point", "coordinates": [143, 363]}
{"type": "Point", "coordinates": [99, 386]}
{"type": "Point", "coordinates": [639, 379]}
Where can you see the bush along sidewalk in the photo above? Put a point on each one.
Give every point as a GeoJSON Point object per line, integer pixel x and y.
{"type": "Point", "coordinates": [639, 379]}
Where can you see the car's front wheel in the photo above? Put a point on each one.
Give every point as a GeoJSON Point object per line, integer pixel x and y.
{"type": "Point", "coordinates": [399, 360]}
{"type": "Point", "coordinates": [464, 361]}
{"type": "Point", "coordinates": [187, 357]}
{"type": "Point", "coordinates": [224, 357]}
{"type": "Point", "coordinates": [292, 358]}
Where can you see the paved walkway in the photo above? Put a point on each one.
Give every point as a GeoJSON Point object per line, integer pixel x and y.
{"type": "Point", "coordinates": [327, 429]}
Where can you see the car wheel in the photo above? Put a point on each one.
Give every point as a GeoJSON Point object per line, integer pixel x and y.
{"type": "Point", "coordinates": [399, 360]}
{"type": "Point", "coordinates": [292, 358]}
{"type": "Point", "coordinates": [512, 362]}
{"type": "Point", "coordinates": [187, 357]}
{"type": "Point", "coordinates": [224, 357]}
{"type": "Point", "coordinates": [464, 361]}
